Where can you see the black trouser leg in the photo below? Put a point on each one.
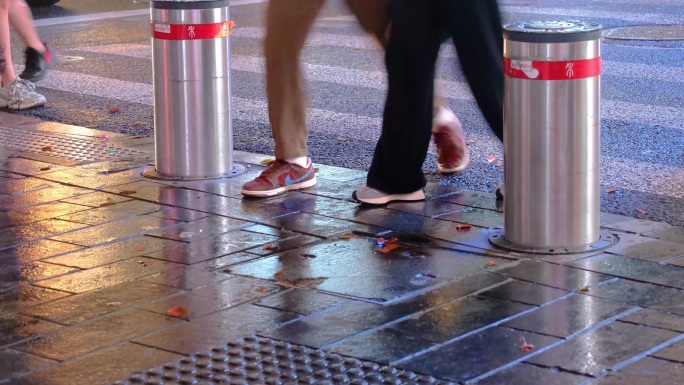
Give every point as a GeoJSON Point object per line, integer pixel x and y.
{"type": "Point", "coordinates": [406, 129]}
{"type": "Point", "coordinates": [475, 26]}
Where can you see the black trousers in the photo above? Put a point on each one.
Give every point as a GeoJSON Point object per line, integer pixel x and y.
{"type": "Point", "coordinates": [416, 34]}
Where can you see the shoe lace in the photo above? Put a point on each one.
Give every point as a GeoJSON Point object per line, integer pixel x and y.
{"type": "Point", "coordinates": [276, 167]}
{"type": "Point", "coordinates": [22, 87]}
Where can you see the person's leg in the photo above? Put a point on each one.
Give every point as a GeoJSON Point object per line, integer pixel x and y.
{"type": "Point", "coordinates": [6, 69]}
{"type": "Point", "coordinates": [476, 28]}
{"type": "Point", "coordinates": [38, 56]}
{"type": "Point", "coordinates": [287, 26]}
{"type": "Point", "coordinates": [373, 15]}
{"type": "Point", "coordinates": [411, 55]}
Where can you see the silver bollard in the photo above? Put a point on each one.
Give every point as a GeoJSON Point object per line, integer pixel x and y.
{"type": "Point", "coordinates": [551, 136]}
{"type": "Point", "coordinates": [192, 90]}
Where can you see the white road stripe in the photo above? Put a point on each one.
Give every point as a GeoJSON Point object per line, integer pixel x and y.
{"type": "Point", "coordinates": [611, 109]}
{"type": "Point", "coordinates": [117, 14]}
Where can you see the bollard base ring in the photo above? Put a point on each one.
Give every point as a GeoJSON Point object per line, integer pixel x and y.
{"type": "Point", "coordinates": [151, 172]}
{"type": "Point", "coordinates": [496, 238]}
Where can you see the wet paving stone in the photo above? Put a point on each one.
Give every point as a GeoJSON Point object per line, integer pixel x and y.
{"type": "Point", "coordinates": [150, 191]}
{"type": "Point", "coordinates": [332, 189]}
{"type": "Point", "coordinates": [216, 329]}
{"type": "Point", "coordinates": [22, 166]}
{"type": "Point", "coordinates": [383, 346]}
{"type": "Point", "coordinates": [43, 211]}
{"type": "Point", "coordinates": [32, 198]}
{"type": "Point", "coordinates": [641, 294]}
{"type": "Point", "coordinates": [186, 278]}
{"type": "Point", "coordinates": [313, 224]}
{"type": "Point", "coordinates": [430, 208]}
{"type": "Point", "coordinates": [301, 301]}
{"type": "Point", "coordinates": [112, 213]}
{"type": "Point", "coordinates": [636, 269]}
{"type": "Point", "coordinates": [636, 246]}
{"type": "Point", "coordinates": [355, 267]}
{"type": "Point", "coordinates": [200, 229]}
{"type": "Point", "coordinates": [26, 296]}
{"type": "Point", "coordinates": [609, 345]}
{"type": "Point", "coordinates": [180, 214]}
{"type": "Point", "coordinates": [632, 225]}
{"type": "Point", "coordinates": [96, 334]}
{"type": "Point", "coordinates": [646, 371]}
{"type": "Point", "coordinates": [476, 199]}
{"type": "Point", "coordinates": [19, 186]}
{"type": "Point", "coordinates": [523, 374]}
{"type": "Point", "coordinates": [476, 355]}
{"type": "Point", "coordinates": [475, 217]}
{"type": "Point", "coordinates": [90, 257]}
{"type": "Point", "coordinates": [283, 245]}
{"type": "Point", "coordinates": [96, 303]}
{"type": "Point", "coordinates": [657, 319]}
{"type": "Point", "coordinates": [339, 174]}
{"type": "Point", "coordinates": [14, 236]}
{"type": "Point", "coordinates": [214, 298]}
{"type": "Point", "coordinates": [225, 261]}
{"type": "Point", "coordinates": [416, 224]}
{"type": "Point", "coordinates": [104, 366]}
{"type": "Point", "coordinates": [107, 275]}
{"type": "Point", "coordinates": [525, 292]}
{"type": "Point", "coordinates": [14, 363]}
{"type": "Point", "coordinates": [670, 234]}
{"type": "Point", "coordinates": [97, 199]}
{"type": "Point", "coordinates": [561, 277]}
{"type": "Point", "coordinates": [238, 208]}
{"type": "Point", "coordinates": [119, 230]}
{"type": "Point", "coordinates": [673, 352]}
{"type": "Point", "coordinates": [15, 328]}
{"type": "Point", "coordinates": [37, 250]}
{"type": "Point", "coordinates": [313, 204]}
{"type": "Point", "coordinates": [569, 316]}
{"type": "Point", "coordinates": [459, 317]}
{"type": "Point", "coordinates": [13, 274]}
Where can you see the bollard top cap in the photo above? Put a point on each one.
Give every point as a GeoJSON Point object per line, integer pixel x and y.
{"type": "Point", "coordinates": [553, 31]}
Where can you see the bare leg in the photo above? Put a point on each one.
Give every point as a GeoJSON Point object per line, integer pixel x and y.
{"type": "Point", "coordinates": [21, 19]}
{"type": "Point", "coordinates": [6, 69]}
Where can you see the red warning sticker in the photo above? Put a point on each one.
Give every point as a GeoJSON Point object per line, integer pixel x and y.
{"type": "Point", "coordinates": [552, 70]}
{"type": "Point", "coordinates": [191, 31]}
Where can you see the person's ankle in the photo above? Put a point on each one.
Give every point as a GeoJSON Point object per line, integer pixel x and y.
{"type": "Point", "coordinates": [301, 161]}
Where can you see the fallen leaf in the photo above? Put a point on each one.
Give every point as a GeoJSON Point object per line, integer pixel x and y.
{"type": "Point", "coordinates": [584, 289]}
{"type": "Point", "coordinates": [470, 142]}
{"type": "Point", "coordinates": [45, 168]}
{"type": "Point", "coordinates": [306, 282]}
{"type": "Point", "coordinates": [349, 236]}
{"type": "Point", "coordinates": [93, 126]}
{"type": "Point", "coordinates": [492, 159]}
{"type": "Point", "coordinates": [135, 137]}
{"type": "Point", "coordinates": [140, 248]}
{"type": "Point", "coordinates": [127, 192]}
{"type": "Point", "coordinates": [525, 346]}
{"type": "Point", "coordinates": [105, 204]}
{"type": "Point", "coordinates": [611, 190]}
{"type": "Point", "coordinates": [266, 162]}
{"type": "Point", "coordinates": [341, 139]}
{"type": "Point", "coordinates": [356, 48]}
{"type": "Point", "coordinates": [492, 263]}
{"type": "Point", "coordinates": [30, 122]}
{"type": "Point", "coordinates": [263, 289]}
{"type": "Point", "coordinates": [316, 170]}
{"type": "Point", "coordinates": [114, 110]}
{"type": "Point", "coordinates": [389, 247]}
{"type": "Point", "coordinates": [279, 272]}
{"type": "Point", "coordinates": [641, 212]}
{"type": "Point", "coordinates": [46, 148]}
{"type": "Point", "coordinates": [177, 311]}
{"type": "Point", "coordinates": [268, 247]}
{"type": "Point", "coordinates": [104, 138]}
{"type": "Point", "coordinates": [115, 303]}
{"type": "Point", "coordinates": [464, 227]}
{"type": "Point", "coordinates": [139, 123]}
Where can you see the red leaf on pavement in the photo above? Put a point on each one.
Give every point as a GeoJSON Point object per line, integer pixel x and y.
{"type": "Point", "coordinates": [464, 227]}
{"type": "Point", "coordinates": [46, 148]}
{"type": "Point", "coordinates": [492, 159]}
{"type": "Point", "coordinates": [492, 263]}
{"type": "Point", "coordinates": [525, 346]}
{"type": "Point", "coordinates": [114, 110]}
{"type": "Point", "coordinates": [93, 126]}
{"type": "Point", "coordinates": [641, 212]}
{"type": "Point", "coordinates": [388, 247]}
{"type": "Point", "coordinates": [140, 248]}
{"type": "Point", "coordinates": [177, 311]}
{"type": "Point", "coordinates": [105, 204]}
{"type": "Point", "coordinates": [279, 272]}
{"type": "Point", "coordinates": [135, 137]}
{"type": "Point", "coordinates": [611, 191]}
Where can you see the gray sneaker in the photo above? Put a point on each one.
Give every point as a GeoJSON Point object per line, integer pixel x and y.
{"type": "Point", "coordinates": [20, 94]}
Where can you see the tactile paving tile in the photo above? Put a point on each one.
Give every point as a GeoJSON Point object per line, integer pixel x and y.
{"type": "Point", "coordinates": [263, 361]}
{"type": "Point", "coordinates": [76, 149]}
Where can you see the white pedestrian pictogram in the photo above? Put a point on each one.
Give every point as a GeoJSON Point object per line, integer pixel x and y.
{"type": "Point", "coordinates": [569, 72]}
{"type": "Point", "coordinates": [191, 31]}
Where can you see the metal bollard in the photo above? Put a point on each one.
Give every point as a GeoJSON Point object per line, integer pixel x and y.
{"type": "Point", "coordinates": [192, 90]}
{"type": "Point", "coordinates": [551, 136]}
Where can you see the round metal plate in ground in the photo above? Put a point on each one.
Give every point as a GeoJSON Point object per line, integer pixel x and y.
{"type": "Point", "coordinates": [605, 240]}
{"type": "Point", "coordinates": [647, 32]}
{"type": "Point", "coordinates": [264, 361]}
{"type": "Point", "coordinates": [152, 173]}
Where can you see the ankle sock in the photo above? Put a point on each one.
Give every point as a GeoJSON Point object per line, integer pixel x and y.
{"type": "Point", "coordinates": [301, 161]}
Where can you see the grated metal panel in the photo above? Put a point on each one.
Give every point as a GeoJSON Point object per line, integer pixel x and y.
{"type": "Point", "coordinates": [264, 361]}
{"type": "Point", "coordinates": [75, 149]}
{"type": "Point", "coordinates": [647, 32]}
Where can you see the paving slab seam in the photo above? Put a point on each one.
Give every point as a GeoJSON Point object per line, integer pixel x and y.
{"type": "Point", "coordinates": [645, 354]}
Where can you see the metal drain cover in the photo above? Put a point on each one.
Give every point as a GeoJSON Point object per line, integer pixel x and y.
{"type": "Point", "coordinates": [58, 146]}
{"type": "Point", "coordinates": [264, 361]}
{"type": "Point", "coordinates": [646, 32]}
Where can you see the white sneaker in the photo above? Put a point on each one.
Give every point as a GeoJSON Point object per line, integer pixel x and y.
{"type": "Point", "coordinates": [371, 196]}
{"type": "Point", "coordinates": [20, 94]}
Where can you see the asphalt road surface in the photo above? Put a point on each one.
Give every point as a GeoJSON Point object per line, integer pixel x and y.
{"type": "Point", "coordinates": [105, 61]}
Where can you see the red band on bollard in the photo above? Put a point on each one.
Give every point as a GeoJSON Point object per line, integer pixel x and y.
{"type": "Point", "coordinates": [552, 70]}
{"type": "Point", "coordinates": [191, 31]}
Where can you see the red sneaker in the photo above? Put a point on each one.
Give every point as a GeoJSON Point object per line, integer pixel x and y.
{"type": "Point", "coordinates": [452, 150]}
{"type": "Point", "coordinates": [279, 177]}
